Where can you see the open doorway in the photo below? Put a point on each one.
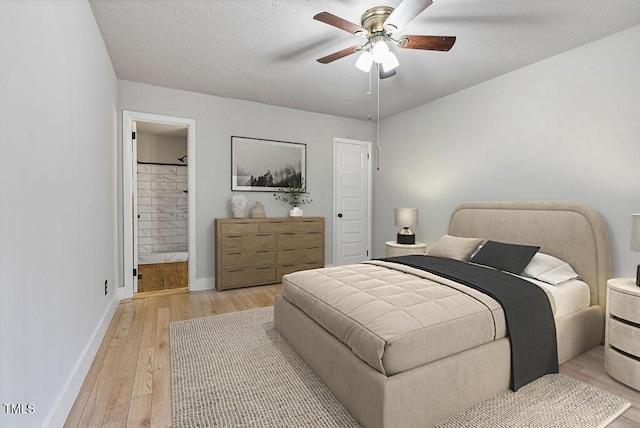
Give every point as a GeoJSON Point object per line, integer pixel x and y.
{"type": "Point", "coordinates": [162, 211]}
{"type": "Point", "coordinates": [159, 203]}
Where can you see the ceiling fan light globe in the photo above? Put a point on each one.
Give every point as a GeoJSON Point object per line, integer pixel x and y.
{"type": "Point", "coordinates": [390, 62]}
{"type": "Point", "coordinates": [379, 51]}
{"type": "Point", "coordinates": [364, 61]}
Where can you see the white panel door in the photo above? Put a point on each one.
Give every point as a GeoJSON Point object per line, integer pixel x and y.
{"type": "Point", "coordinates": [352, 201]}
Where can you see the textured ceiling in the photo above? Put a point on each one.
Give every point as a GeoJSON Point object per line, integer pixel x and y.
{"type": "Point", "coordinates": [266, 50]}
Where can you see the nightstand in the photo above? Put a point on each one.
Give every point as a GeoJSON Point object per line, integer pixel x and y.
{"type": "Point", "coordinates": [393, 249]}
{"type": "Point", "coordinates": [622, 340]}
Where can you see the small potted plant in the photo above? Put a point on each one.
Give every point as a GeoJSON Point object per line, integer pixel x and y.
{"type": "Point", "coordinates": [295, 194]}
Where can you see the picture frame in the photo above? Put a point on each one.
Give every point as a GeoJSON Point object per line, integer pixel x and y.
{"type": "Point", "coordinates": [259, 165]}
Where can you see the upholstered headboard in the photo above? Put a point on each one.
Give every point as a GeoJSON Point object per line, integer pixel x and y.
{"type": "Point", "coordinates": [571, 231]}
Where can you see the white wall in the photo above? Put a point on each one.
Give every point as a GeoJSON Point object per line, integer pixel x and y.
{"type": "Point", "coordinates": [58, 105]}
{"type": "Point", "coordinates": [566, 128]}
{"type": "Point", "coordinates": [217, 119]}
{"type": "Point", "coordinates": [161, 148]}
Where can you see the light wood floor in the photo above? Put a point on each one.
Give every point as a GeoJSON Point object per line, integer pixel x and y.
{"type": "Point", "coordinates": [129, 382]}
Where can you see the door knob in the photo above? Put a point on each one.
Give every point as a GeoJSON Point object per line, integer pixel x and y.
{"type": "Point", "coordinates": [339, 215]}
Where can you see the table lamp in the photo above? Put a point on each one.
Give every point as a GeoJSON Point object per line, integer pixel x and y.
{"type": "Point", "coordinates": [406, 218]}
{"type": "Point", "coordinates": [635, 240]}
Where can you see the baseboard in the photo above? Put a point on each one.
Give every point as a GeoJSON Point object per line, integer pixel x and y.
{"type": "Point", "coordinates": [203, 284]}
{"type": "Point", "coordinates": [210, 283]}
{"type": "Point", "coordinates": [61, 408]}
{"type": "Point", "coordinates": [122, 293]}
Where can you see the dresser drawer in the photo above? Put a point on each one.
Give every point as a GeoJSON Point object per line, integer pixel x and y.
{"type": "Point", "coordinates": [299, 240]}
{"type": "Point", "coordinates": [247, 276]}
{"type": "Point", "coordinates": [248, 259]}
{"type": "Point", "coordinates": [297, 255]}
{"type": "Point", "coordinates": [623, 368]}
{"type": "Point", "coordinates": [295, 267]}
{"type": "Point", "coordinates": [238, 228]}
{"type": "Point", "coordinates": [232, 244]}
{"type": "Point", "coordinates": [308, 226]}
{"type": "Point", "coordinates": [275, 227]}
{"type": "Point", "coordinates": [625, 306]}
{"type": "Point", "coordinates": [624, 336]}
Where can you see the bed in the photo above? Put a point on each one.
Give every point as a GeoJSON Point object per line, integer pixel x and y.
{"type": "Point", "coordinates": [421, 395]}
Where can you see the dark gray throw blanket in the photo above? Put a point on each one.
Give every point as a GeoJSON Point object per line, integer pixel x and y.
{"type": "Point", "coordinates": [528, 313]}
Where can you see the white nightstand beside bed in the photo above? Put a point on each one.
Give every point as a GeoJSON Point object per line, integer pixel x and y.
{"type": "Point", "coordinates": [622, 347]}
{"type": "Point", "coordinates": [393, 249]}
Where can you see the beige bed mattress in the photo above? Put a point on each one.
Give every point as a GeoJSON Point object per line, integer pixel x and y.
{"type": "Point", "coordinates": [395, 317]}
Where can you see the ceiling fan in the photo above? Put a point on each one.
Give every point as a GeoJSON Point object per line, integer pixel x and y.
{"type": "Point", "coordinates": [378, 26]}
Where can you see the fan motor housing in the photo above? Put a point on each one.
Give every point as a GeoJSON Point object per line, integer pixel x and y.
{"type": "Point", "coordinates": [373, 19]}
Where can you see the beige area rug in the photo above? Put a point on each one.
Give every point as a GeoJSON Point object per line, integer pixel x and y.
{"type": "Point", "coordinates": [552, 401]}
{"type": "Point", "coordinates": [236, 370]}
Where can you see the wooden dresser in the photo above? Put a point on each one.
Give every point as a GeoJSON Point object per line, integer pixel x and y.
{"type": "Point", "coordinates": [260, 251]}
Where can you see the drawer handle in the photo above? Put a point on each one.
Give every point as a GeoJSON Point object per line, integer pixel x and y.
{"type": "Point", "coordinates": [263, 268]}
{"type": "Point", "coordinates": [234, 270]}
{"type": "Point", "coordinates": [264, 251]}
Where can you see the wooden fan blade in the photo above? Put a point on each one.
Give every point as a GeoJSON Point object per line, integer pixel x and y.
{"type": "Point", "coordinates": [429, 43]}
{"type": "Point", "coordinates": [405, 12]}
{"type": "Point", "coordinates": [385, 74]}
{"type": "Point", "coordinates": [338, 22]}
{"type": "Point", "coordinates": [337, 55]}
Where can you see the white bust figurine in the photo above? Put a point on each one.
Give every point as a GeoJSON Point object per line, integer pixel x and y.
{"type": "Point", "coordinates": [238, 205]}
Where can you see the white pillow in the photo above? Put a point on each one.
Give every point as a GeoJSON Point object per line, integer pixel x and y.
{"type": "Point", "coordinates": [552, 270]}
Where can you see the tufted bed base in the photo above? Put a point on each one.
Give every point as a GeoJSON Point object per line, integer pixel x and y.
{"type": "Point", "coordinates": [426, 395]}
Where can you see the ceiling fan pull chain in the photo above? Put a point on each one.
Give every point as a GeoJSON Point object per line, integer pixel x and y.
{"type": "Point", "coordinates": [370, 100]}
{"type": "Point", "coordinates": [378, 121]}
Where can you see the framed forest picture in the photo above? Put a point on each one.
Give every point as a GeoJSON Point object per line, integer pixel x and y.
{"type": "Point", "coordinates": [266, 165]}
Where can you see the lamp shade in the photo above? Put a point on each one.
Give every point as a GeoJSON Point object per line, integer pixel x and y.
{"type": "Point", "coordinates": [635, 232]}
{"type": "Point", "coordinates": [379, 50]}
{"type": "Point", "coordinates": [390, 62]}
{"type": "Point", "coordinates": [365, 61]}
{"type": "Point", "coordinates": [406, 217]}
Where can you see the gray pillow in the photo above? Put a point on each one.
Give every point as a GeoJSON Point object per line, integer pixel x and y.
{"type": "Point", "coordinates": [454, 247]}
{"type": "Point", "coordinates": [507, 257]}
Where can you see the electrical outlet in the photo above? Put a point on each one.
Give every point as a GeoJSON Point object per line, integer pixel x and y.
{"type": "Point", "coordinates": [105, 287]}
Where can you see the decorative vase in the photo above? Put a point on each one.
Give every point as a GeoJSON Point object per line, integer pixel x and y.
{"type": "Point", "coordinates": [258, 210]}
{"type": "Point", "coordinates": [295, 212]}
{"type": "Point", "coordinates": [238, 205]}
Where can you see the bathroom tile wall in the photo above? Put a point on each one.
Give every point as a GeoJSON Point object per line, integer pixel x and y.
{"type": "Point", "coordinates": [162, 207]}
